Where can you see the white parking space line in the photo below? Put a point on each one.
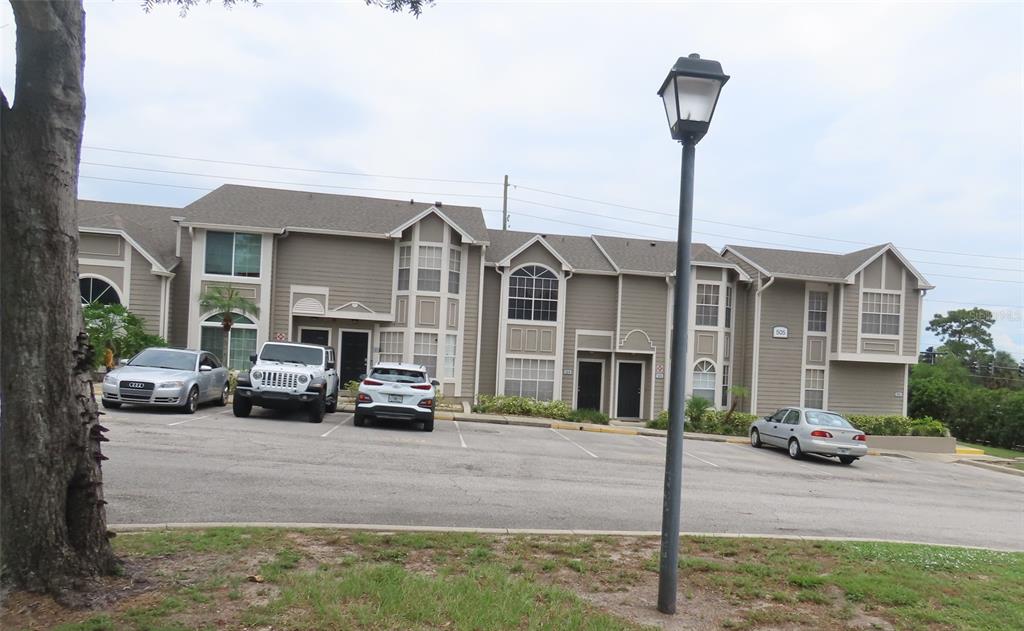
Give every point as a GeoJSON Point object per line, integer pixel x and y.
{"type": "Point", "coordinates": [649, 439]}
{"type": "Point", "coordinates": [691, 455]}
{"type": "Point", "coordinates": [195, 418]}
{"type": "Point", "coordinates": [336, 426]}
{"type": "Point", "coordinates": [459, 430]}
{"type": "Point", "coordinates": [557, 433]}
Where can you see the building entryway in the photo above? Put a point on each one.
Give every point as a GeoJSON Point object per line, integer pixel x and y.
{"type": "Point", "coordinates": [589, 379]}
{"type": "Point", "coordinates": [355, 346]}
{"type": "Point", "coordinates": [630, 389]}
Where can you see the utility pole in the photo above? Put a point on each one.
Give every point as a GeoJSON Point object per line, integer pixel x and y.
{"type": "Point", "coordinates": [504, 205]}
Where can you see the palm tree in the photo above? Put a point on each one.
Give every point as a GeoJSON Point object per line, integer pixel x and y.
{"type": "Point", "coordinates": [227, 300]}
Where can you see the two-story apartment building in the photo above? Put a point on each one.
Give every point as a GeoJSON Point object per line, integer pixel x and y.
{"type": "Point", "coordinates": [587, 320]}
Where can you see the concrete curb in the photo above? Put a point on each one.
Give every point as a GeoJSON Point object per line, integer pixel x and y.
{"type": "Point", "coordinates": [138, 528]}
{"type": "Point", "coordinates": [991, 467]}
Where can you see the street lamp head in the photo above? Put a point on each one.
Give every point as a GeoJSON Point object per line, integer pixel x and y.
{"type": "Point", "coordinates": [690, 93]}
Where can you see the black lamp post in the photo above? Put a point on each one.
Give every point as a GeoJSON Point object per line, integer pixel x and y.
{"type": "Point", "coordinates": [690, 93]}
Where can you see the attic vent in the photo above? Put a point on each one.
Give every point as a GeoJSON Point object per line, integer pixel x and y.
{"type": "Point", "coordinates": [653, 244]}
{"type": "Point", "coordinates": [438, 204]}
{"type": "Point", "coordinates": [412, 201]}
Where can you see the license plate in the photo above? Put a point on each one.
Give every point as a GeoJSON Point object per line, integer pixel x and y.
{"type": "Point", "coordinates": [844, 450]}
{"type": "Point", "coordinates": [394, 398]}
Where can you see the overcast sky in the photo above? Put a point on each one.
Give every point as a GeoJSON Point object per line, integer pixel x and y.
{"type": "Point", "coordinates": [855, 123]}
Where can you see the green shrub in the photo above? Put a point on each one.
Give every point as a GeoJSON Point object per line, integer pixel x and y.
{"type": "Point", "coordinates": [352, 388]}
{"type": "Point", "coordinates": [659, 422]}
{"type": "Point", "coordinates": [927, 427]}
{"type": "Point", "coordinates": [708, 421]}
{"type": "Point", "coordinates": [114, 328]}
{"type": "Point", "coordinates": [588, 416]}
{"type": "Point", "coordinates": [522, 406]}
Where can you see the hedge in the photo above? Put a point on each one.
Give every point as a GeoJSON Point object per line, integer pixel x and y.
{"type": "Point", "coordinates": [972, 413]}
{"type": "Point", "coordinates": [710, 422]}
{"type": "Point", "coordinates": [522, 406]}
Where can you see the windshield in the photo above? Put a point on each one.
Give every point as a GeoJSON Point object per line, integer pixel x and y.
{"type": "Point", "coordinates": [827, 419]}
{"type": "Point", "coordinates": [161, 358]}
{"type": "Point", "coordinates": [292, 354]}
{"type": "Point", "coordinates": [398, 375]}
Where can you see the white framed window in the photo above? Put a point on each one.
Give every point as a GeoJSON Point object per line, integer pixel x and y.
{"type": "Point", "coordinates": [534, 378]}
{"type": "Point", "coordinates": [425, 352]}
{"type": "Point", "coordinates": [454, 270]}
{"type": "Point", "coordinates": [817, 311]}
{"type": "Point", "coordinates": [725, 385]}
{"type": "Point", "coordinates": [728, 306]}
{"type": "Point", "coordinates": [707, 305]}
{"type": "Point", "coordinates": [880, 313]}
{"type": "Point", "coordinates": [233, 253]}
{"type": "Point", "coordinates": [98, 290]}
{"type": "Point", "coordinates": [814, 388]}
{"type": "Point", "coordinates": [404, 262]}
{"type": "Point", "coordinates": [533, 294]}
{"type": "Point", "coordinates": [451, 342]}
{"type": "Point", "coordinates": [428, 274]}
{"type": "Point", "coordinates": [392, 346]}
{"type": "Point", "coordinates": [727, 346]}
{"type": "Point", "coordinates": [240, 340]}
{"type": "Point", "coordinates": [704, 380]}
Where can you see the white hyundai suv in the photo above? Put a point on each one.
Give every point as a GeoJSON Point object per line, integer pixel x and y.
{"type": "Point", "coordinates": [401, 392]}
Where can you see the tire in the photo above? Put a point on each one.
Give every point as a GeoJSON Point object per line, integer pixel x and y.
{"type": "Point", "coordinates": [332, 405]}
{"type": "Point", "coordinates": [315, 411]}
{"type": "Point", "coordinates": [755, 439]}
{"type": "Point", "coordinates": [428, 426]}
{"type": "Point", "coordinates": [223, 400]}
{"type": "Point", "coordinates": [191, 401]}
{"type": "Point", "coordinates": [794, 449]}
{"type": "Point", "coordinates": [241, 406]}
{"type": "Point", "coordinates": [359, 420]}
{"type": "Point", "coordinates": [111, 405]}
{"type": "Point", "coordinates": [847, 459]}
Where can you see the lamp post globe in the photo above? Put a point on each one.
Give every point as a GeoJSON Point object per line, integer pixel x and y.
{"type": "Point", "coordinates": [690, 94]}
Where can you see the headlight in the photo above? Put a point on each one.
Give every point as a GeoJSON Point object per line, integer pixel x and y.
{"type": "Point", "coordinates": [303, 378]}
{"type": "Point", "coordinates": [110, 379]}
{"type": "Point", "coordinates": [172, 384]}
{"type": "Point", "coordinates": [256, 374]}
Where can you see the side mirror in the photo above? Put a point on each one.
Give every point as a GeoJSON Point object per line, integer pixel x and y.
{"type": "Point", "coordinates": [205, 368]}
{"type": "Point", "coordinates": [435, 383]}
{"type": "Point", "coordinates": [252, 358]}
{"type": "Point", "coordinates": [122, 362]}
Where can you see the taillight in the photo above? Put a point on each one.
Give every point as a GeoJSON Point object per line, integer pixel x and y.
{"type": "Point", "coordinates": [364, 398]}
{"type": "Point", "coordinates": [422, 386]}
{"type": "Point", "coordinates": [861, 437]}
{"type": "Point", "coordinates": [371, 382]}
{"type": "Point", "coordinates": [426, 403]}
{"type": "Point", "coordinates": [820, 433]}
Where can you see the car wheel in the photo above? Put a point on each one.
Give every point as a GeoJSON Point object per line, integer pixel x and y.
{"type": "Point", "coordinates": [755, 438]}
{"type": "Point", "coordinates": [847, 459]}
{"type": "Point", "coordinates": [223, 400]}
{"type": "Point", "coordinates": [794, 449]}
{"type": "Point", "coordinates": [191, 401]}
{"type": "Point", "coordinates": [428, 426]}
{"type": "Point", "coordinates": [332, 405]}
{"type": "Point", "coordinates": [111, 405]}
{"type": "Point", "coordinates": [316, 409]}
{"type": "Point", "coordinates": [359, 420]}
{"type": "Point", "coordinates": [241, 406]}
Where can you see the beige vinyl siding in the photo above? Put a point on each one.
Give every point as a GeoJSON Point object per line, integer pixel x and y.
{"type": "Point", "coordinates": [836, 309]}
{"type": "Point", "coordinates": [111, 273]}
{"type": "Point", "coordinates": [644, 303]}
{"type": "Point", "coordinates": [911, 316]}
{"type": "Point", "coordinates": [353, 270]}
{"type": "Point", "coordinates": [851, 317]}
{"type": "Point", "coordinates": [780, 361]}
{"type": "Point", "coordinates": [893, 272]}
{"type": "Point", "coordinates": [101, 246]}
{"type": "Point", "coordinates": [471, 274]}
{"type": "Point", "coordinates": [536, 253]}
{"type": "Point", "coordinates": [489, 332]}
{"type": "Point", "coordinates": [178, 329]}
{"type": "Point", "coordinates": [145, 292]}
{"type": "Point", "coordinates": [743, 343]}
{"type": "Point", "coordinates": [591, 304]}
{"type": "Point", "coordinates": [866, 388]}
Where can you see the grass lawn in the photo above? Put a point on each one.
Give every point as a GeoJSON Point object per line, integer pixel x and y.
{"type": "Point", "coordinates": [238, 578]}
{"type": "Point", "coordinates": [999, 452]}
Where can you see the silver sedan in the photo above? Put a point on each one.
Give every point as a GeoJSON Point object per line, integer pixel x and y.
{"type": "Point", "coordinates": [806, 431]}
{"type": "Point", "coordinates": [167, 377]}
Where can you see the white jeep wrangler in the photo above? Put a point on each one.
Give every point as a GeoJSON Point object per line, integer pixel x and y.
{"type": "Point", "coordinates": [287, 375]}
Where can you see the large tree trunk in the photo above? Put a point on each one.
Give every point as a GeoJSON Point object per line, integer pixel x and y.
{"type": "Point", "coordinates": [52, 518]}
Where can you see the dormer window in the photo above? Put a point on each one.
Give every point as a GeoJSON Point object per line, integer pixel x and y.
{"type": "Point", "coordinates": [233, 254]}
{"type": "Point", "coordinates": [533, 294]}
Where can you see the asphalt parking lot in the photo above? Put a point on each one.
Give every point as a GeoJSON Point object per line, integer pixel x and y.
{"type": "Point", "coordinates": [166, 467]}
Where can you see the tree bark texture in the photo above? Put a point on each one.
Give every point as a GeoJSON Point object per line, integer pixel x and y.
{"type": "Point", "coordinates": [52, 516]}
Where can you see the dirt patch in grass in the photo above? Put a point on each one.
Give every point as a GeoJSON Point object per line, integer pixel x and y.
{"type": "Point", "coordinates": [234, 578]}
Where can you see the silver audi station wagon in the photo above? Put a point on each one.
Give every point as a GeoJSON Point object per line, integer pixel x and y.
{"type": "Point", "coordinates": [167, 377]}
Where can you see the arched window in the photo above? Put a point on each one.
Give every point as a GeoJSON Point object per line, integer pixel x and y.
{"type": "Point", "coordinates": [241, 341]}
{"type": "Point", "coordinates": [704, 381]}
{"type": "Point", "coordinates": [98, 290]}
{"type": "Point", "coordinates": [533, 294]}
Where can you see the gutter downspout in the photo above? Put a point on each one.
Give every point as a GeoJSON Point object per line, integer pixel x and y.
{"type": "Point", "coordinates": [757, 342]}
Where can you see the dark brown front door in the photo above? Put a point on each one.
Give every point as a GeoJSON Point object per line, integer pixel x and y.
{"type": "Point", "coordinates": [628, 405]}
{"type": "Point", "coordinates": [352, 362]}
{"type": "Point", "coordinates": [588, 385]}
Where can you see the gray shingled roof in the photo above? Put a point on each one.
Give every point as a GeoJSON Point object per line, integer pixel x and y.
{"type": "Point", "coordinates": [580, 252]}
{"type": "Point", "coordinates": [277, 209]}
{"type": "Point", "coordinates": [647, 255]}
{"type": "Point", "coordinates": [797, 263]}
{"type": "Point", "coordinates": [149, 226]}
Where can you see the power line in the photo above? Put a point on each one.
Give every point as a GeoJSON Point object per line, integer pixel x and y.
{"type": "Point", "coordinates": [288, 168]}
{"type": "Point", "coordinates": [112, 179]}
{"type": "Point", "coordinates": [972, 304]}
